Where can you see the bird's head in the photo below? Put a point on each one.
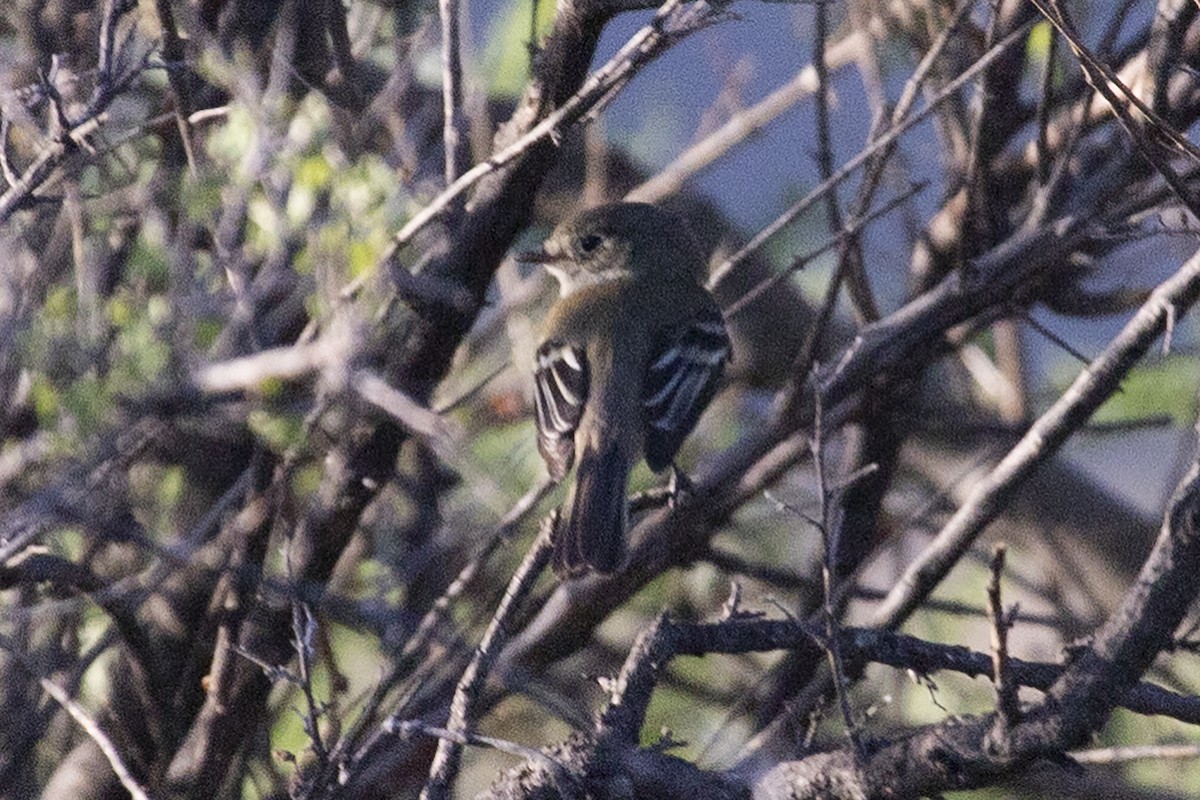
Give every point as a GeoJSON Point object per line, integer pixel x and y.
{"type": "Point", "coordinates": [619, 240]}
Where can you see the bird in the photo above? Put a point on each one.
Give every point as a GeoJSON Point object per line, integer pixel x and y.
{"type": "Point", "coordinates": [630, 355]}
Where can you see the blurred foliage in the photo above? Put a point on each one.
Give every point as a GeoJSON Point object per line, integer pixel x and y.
{"type": "Point", "coordinates": [1166, 387]}
{"type": "Point", "coordinates": [505, 59]}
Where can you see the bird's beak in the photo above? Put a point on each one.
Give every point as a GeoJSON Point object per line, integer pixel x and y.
{"type": "Point", "coordinates": [536, 257]}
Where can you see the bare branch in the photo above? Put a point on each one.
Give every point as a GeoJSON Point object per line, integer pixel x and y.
{"type": "Point", "coordinates": [883, 141]}
{"type": "Point", "coordinates": [86, 721]}
{"type": "Point", "coordinates": [445, 762]}
{"type": "Point", "coordinates": [1093, 386]}
{"type": "Point", "coordinates": [1008, 709]}
{"type": "Point", "coordinates": [454, 127]}
{"type": "Point", "coordinates": [672, 22]}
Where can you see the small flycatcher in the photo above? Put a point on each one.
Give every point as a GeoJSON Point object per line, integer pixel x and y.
{"type": "Point", "coordinates": [631, 355]}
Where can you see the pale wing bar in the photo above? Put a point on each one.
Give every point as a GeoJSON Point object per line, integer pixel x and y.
{"type": "Point", "coordinates": [682, 378]}
{"type": "Point", "coordinates": [560, 390]}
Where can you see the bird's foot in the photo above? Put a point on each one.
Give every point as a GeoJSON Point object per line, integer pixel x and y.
{"type": "Point", "coordinates": [678, 485]}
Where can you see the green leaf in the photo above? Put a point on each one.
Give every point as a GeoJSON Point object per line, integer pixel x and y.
{"type": "Point", "coordinates": [506, 59]}
{"type": "Point", "coordinates": [1167, 387]}
{"type": "Point", "coordinates": [280, 432]}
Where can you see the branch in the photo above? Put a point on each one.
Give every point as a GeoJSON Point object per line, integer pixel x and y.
{"type": "Point", "coordinates": [437, 615]}
{"type": "Point", "coordinates": [71, 136]}
{"type": "Point", "coordinates": [454, 129]}
{"type": "Point", "coordinates": [1008, 706]}
{"type": "Point", "coordinates": [848, 232]}
{"type": "Point", "coordinates": [85, 720]}
{"type": "Point", "coordinates": [610, 753]}
{"type": "Point", "coordinates": [1101, 76]}
{"type": "Point", "coordinates": [445, 761]}
{"type": "Point", "coordinates": [966, 753]}
{"type": "Point", "coordinates": [877, 145]}
{"type": "Point", "coordinates": [672, 22]}
{"type": "Point", "coordinates": [1087, 393]}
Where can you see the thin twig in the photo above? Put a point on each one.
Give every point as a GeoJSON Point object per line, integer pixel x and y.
{"type": "Point", "coordinates": [428, 425]}
{"type": "Point", "coordinates": [976, 178]}
{"type": "Point", "coordinates": [447, 406]}
{"type": "Point", "coordinates": [1092, 64]}
{"type": "Point", "coordinates": [466, 576]}
{"type": "Point", "coordinates": [1041, 205]}
{"type": "Point", "coordinates": [1055, 339]}
{"type": "Point", "coordinates": [445, 761]}
{"type": "Point", "coordinates": [84, 719]}
{"type": "Point", "coordinates": [174, 55]}
{"type": "Point", "coordinates": [22, 525]}
{"type": "Point", "coordinates": [1123, 755]}
{"type": "Point", "coordinates": [831, 547]}
{"type": "Point", "coordinates": [885, 140]}
{"type": "Point", "coordinates": [437, 614]}
{"type": "Point", "coordinates": [744, 125]}
{"type": "Point", "coordinates": [833, 212]}
{"type": "Point", "coordinates": [1007, 708]}
{"type": "Point", "coordinates": [1103, 79]}
{"type": "Point", "coordinates": [669, 24]}
{"type": "Point", "coordinates": [409, 727]}
{"type": "Point", "coordinates": [786, 579]}
{"type": "Point", "coordinates": [1089, 390]}
{"type": "Point", "coordinates": [806, 357]}
{"type": "Point", "coordinates": [454, 129]}
{"type": "Point", "coordinates": [303, 629]}
{"type": "Point", "coordinates": [70, 134]}
{"type": "Point", "coordinates": [855, 226]}
{"type": "Point", "coordinates": [851, 267]}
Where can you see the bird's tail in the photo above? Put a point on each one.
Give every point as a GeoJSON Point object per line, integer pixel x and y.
{"type": "Point", "coordinates": [591, 538]}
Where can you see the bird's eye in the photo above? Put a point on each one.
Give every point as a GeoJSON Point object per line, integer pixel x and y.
{"type": "Point", "coordinates": [590, 242]}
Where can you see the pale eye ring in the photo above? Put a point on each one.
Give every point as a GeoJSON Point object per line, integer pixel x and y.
{"type": "Point", "coordinates": [590, 242]}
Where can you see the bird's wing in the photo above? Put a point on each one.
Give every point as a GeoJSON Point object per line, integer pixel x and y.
{"type": "Point", "coordinates": [560, 379]}
{"type": "Point", "coordinates": [682, 377]}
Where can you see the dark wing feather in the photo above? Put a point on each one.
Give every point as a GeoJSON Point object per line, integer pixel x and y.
{"type": "Point", "coordinates": [684, 372]}
{"type": "Point", "coordinates": [560, 378]}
